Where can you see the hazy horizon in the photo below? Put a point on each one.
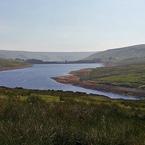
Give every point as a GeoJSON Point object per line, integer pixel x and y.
{"type": "Point", "coordinates": [69, 51]}
{"type": "Point", "coordinates": [71, 25]}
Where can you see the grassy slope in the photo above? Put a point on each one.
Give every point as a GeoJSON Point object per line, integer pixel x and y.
{"type": "Point", "coordinates": [128, 79]}
{"type": "Point", "coordinates": [126, 55]}
{"type": "Point", "coordinates": [58, 118]}
{"type": "Point", "coordinates": [128, 76]}
{"type": "Point", "coordinates": [10, 64]}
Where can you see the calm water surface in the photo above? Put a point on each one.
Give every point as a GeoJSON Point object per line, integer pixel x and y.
{"type": "Point", "coordinates": [39, 77]}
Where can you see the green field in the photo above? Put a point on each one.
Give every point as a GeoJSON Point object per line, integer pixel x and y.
{"type": "Point", "coordinates": [32, 117]}
{"type": "Point", "coordinates": [132, 76]}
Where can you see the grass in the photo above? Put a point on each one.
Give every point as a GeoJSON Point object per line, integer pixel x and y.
{"type": "Point", "coordinates": [32, 117]}
{"type": "Point", "coordinates": [127, 76]}
{"type": "Point", "coordinates": [10, 63]}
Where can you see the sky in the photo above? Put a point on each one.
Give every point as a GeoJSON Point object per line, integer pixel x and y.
{"type": "Point", "coordinates": [71, 25]}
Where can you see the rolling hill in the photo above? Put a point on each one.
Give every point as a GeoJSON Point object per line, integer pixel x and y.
{"type": "Point", "coordinates": [125, 55]}
{"type": "Point", "coordinates": [44, 56]}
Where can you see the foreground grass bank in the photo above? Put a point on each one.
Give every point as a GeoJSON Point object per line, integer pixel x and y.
{"type": "Point", "coordinates": [32, 117]}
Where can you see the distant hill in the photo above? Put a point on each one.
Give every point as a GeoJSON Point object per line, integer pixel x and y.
{"type": "Point", "coordinates": [125, 55]}
{"type": "Point", "coordinates": [45, 56]}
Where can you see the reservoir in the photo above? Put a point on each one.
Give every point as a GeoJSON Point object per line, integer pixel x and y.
{"type": "Point", "coordinates": [39, 77]}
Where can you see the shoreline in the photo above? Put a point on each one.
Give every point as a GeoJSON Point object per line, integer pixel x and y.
{"type": "Point", "coordinates": [14, 68]}
{"type": "Point", "coordinates": [73, 79]}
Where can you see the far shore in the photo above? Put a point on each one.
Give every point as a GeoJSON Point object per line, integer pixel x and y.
{"type": "Point", "coordinates": [73, 79]}
{"type": "Point", "coordinates": [14, 68]}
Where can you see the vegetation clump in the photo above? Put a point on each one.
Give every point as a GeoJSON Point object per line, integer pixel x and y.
{"type": "Point", "coordinates": [29, 117]}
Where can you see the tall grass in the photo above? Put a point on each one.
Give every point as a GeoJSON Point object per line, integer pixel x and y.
{"type": "Point", "coordinates": [69, 122]}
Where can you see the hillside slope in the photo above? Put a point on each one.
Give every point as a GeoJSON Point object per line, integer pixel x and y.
{"type": "Point", "coordinates": [131, 54]}
{"type": "Point", "coordinates": [45, 56]}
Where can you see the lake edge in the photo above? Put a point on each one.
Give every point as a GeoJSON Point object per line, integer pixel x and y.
{"type": "Point", "coordinates": [73, 79]}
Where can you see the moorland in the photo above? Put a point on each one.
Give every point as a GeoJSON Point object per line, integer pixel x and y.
{"type": "Point", "coordinates": [48, 117]}
{"type": "Point", "coordinates": [124, 79]}
{"type": "Point", "coordinates": [34, 117]}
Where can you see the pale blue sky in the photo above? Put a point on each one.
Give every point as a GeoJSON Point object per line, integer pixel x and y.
{"type": "Point", "coordinates": [71, 25]}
